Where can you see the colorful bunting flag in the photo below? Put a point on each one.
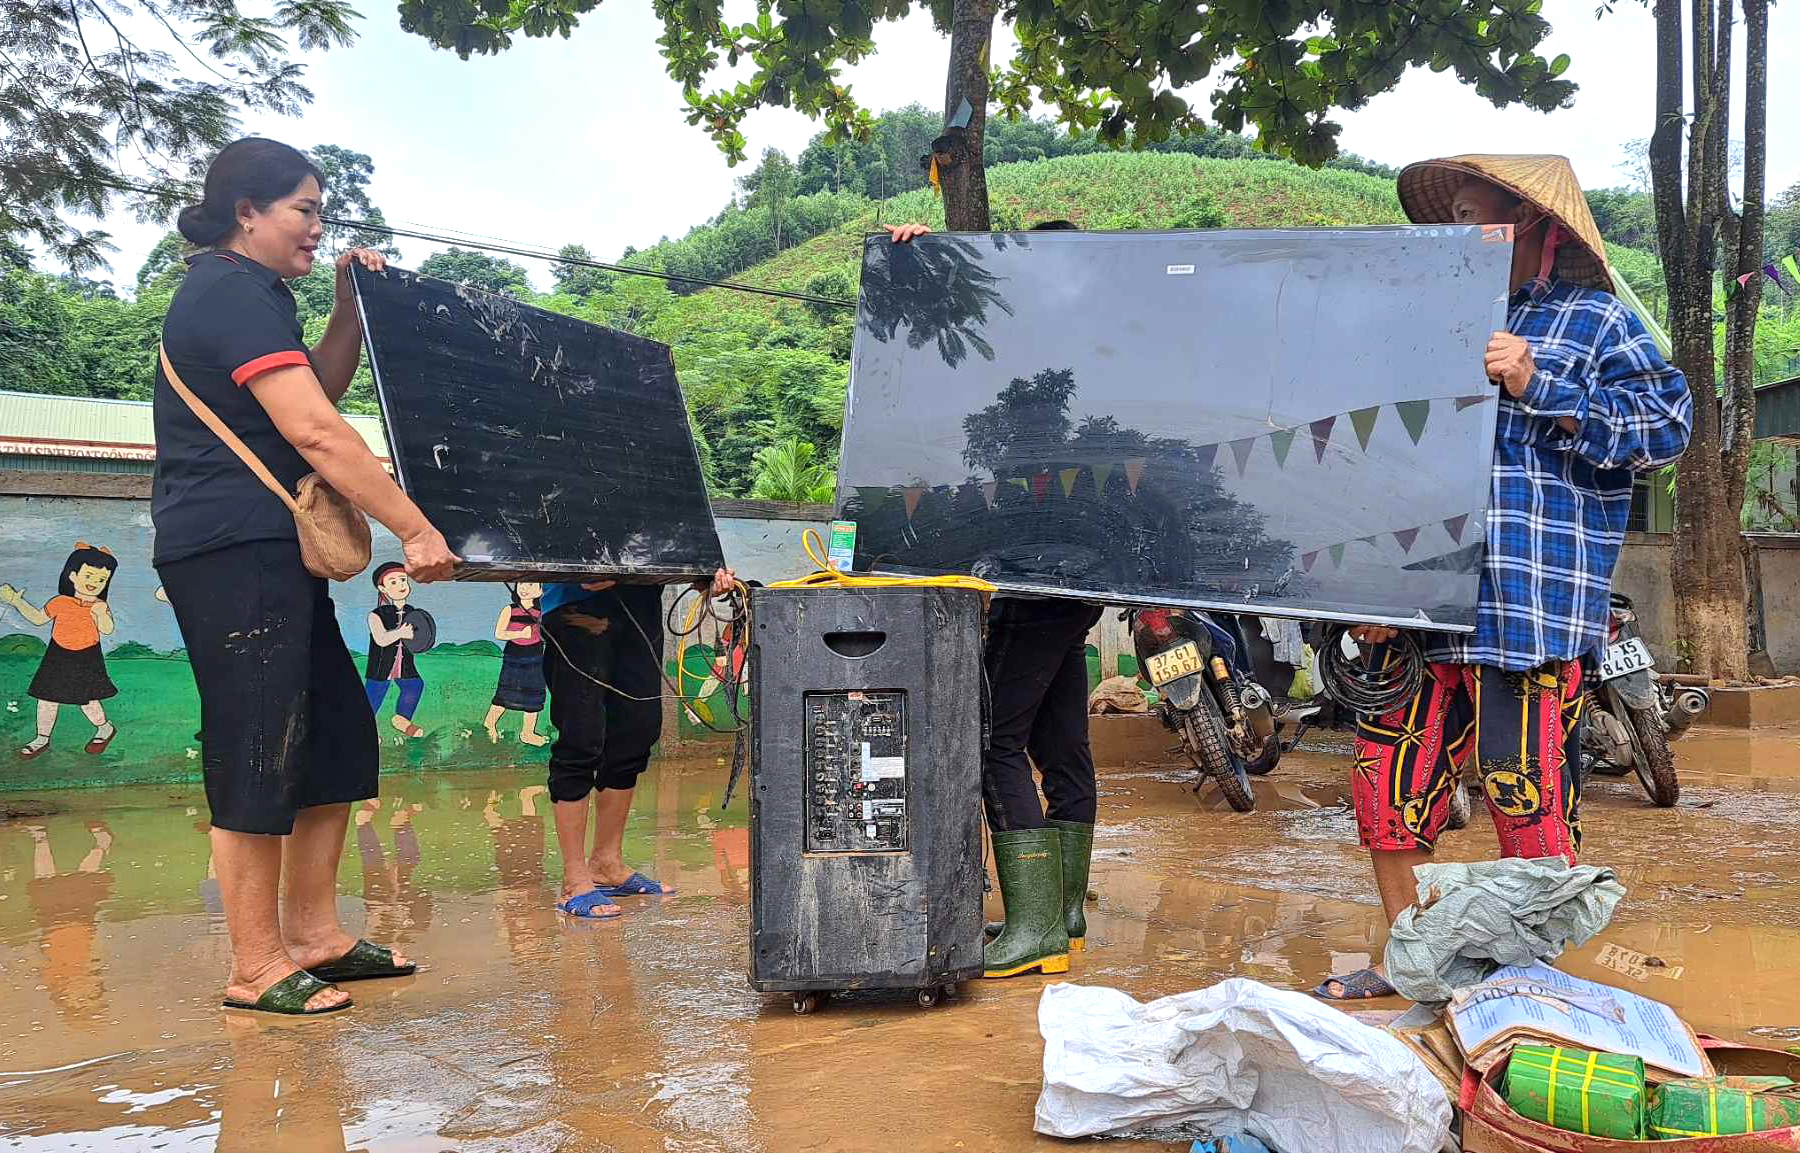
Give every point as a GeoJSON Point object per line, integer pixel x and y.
{"type": "Point", "coordinates": [1307, 559]}
{"type": "Point", "coordinates": [1772, 273]}
{"type": "Point", "coordinates": [988, 490]}
{"type": "Point", "coordinates": [913, 493]}
{"type": "Point", "coordinates": [1454, 526]}
{"type": "Point", "coordinates": [1337, 555]}
{"type": "Point", "coordinates": [1463, 402]}
{"type": "Point", "coordinates": [872, 497]}
{"type": "Point", "coordinates": [1321, 434]}
{"type": "Point", "coordinates": [1040, 484]}
{"type": "Point", "coordinates": [1134, 472]}
{"type": "Point", "coordinates": [1024, 485]}
{"type": "Point", "coordinates": [1204, 455]}
{"type": "Point", "coordinates": [1068, 477]}
{"type": "Point", "coordinates": [1281, 441]}
{"type": "Point", "coordinates": [1241, 450]}
{"type": "Point", "coordinates": [1405, 538]}
{"type": "Point", "coordinates": [1791, 262]}
{"type": "Point", "coordinates": [1731, 291]}
{"type": "Point", "coordinates": [1414, 414]}
{"type": "Point", "coordinates": [1363, 419]}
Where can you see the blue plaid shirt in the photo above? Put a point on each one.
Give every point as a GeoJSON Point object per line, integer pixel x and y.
{"type": "Point", "coordinates": [1557, 514]}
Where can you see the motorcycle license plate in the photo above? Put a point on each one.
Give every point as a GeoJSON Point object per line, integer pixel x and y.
{"type": "Point", "coordinates": [1181, 661]}
{"type": "Point", "coordinates": [1628, 656]}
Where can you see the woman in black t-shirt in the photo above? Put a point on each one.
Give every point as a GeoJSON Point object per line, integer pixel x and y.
{"type": "Point", "coordinates": [288, 743]}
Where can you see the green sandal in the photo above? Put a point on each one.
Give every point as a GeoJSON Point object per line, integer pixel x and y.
{"type": "Point", "coordinates": [288, 997]}
{"type": "Point", "coordinates": [364, 962]}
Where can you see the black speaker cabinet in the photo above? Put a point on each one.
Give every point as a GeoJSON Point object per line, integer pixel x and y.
{"type": "Point", "coordinates": [865, 794]}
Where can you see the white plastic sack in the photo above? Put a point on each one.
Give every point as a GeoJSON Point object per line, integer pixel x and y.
{"type": "Point", "coordinates": [1240, 1057]}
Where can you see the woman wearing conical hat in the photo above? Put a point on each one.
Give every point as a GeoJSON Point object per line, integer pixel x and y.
{"type": "Point", "coordinates": [1586, 401]}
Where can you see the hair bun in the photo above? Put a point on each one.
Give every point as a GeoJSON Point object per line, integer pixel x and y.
{"type": "Point", "coordinates": [200, 227]}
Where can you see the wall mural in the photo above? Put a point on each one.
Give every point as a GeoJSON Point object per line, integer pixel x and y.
{"type": "Point", "coordinates": [95, 687]}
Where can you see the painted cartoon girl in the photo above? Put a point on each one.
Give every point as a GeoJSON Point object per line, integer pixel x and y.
{"type": "Point", "coordinates": [521, 664]}
{"type": "Point", "coordinates": [397, 631]}
{"type": "Point", "coordinates": [73, 671]}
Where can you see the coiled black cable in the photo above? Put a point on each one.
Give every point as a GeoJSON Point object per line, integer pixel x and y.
{"type": "Point", "coordinates": [1378, 680]}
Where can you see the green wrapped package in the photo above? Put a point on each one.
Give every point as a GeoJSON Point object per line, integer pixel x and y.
{"type": "Point", "coordinates": [1599, 1094]}
{"type": "Point", "coordinates": [1716, 1106]}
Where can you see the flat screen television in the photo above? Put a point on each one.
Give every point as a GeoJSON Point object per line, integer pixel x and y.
{"type": "Point", "coordinates": [541, 446]}
{"type": "Point", "coordinates": [1290, 423]}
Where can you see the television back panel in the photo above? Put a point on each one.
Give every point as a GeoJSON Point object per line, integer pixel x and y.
{"type": "Point", "coordinates": [541, 446]}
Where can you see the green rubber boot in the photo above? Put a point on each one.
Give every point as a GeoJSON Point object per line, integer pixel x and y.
{"type": "Point", "coordinates": [1029, 862]}
{"type": "Point", "coordinates": [1077, 855]}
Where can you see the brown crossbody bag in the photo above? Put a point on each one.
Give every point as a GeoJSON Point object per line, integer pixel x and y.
{"type": "Point", "coordinates": [334, 534]}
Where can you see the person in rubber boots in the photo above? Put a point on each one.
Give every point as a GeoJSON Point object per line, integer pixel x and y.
{"type": "Point", "coordinates": [1036, 661]}
{"type": "Point", "coordinates": [1586, 402]}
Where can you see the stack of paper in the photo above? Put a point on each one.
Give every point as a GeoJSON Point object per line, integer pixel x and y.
{"type": "Point", "coordinates": [1537, 1003]}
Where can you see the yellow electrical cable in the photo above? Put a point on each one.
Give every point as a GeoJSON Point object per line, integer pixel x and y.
{"type": "Point", "coordinates": [825, 576]}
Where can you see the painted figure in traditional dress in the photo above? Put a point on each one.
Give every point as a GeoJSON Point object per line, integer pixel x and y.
{"type": "Point", "coordinates": [73, 671]}
{"type": "Point", "coordinates": [521, 686]}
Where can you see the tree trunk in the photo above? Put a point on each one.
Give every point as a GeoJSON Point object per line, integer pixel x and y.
{"type": "Point", "coordinates": [1708, 566]}
{"type": "Point", "coordinates": [965, 183]}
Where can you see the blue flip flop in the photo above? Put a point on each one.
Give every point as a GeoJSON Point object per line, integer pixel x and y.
{"type": "Point", "coordinates": [593, 905]}
{"type": "Point", "coordinates": [1362, 985]}
{"type": "Point", "coordinates": [636, 885]}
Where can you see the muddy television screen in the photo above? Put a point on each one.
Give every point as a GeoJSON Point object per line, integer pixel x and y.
{"type": "Point", "coordinates": [540, 446]}
{"type": "Point", "coordinates": [1297, 423]}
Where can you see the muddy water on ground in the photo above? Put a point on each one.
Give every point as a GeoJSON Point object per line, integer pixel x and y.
{"type": "Point", "coordinates": [527, 1032]}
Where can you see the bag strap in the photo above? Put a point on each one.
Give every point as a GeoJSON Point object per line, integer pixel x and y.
{"type": "Point", "coordinates": [211, 420]}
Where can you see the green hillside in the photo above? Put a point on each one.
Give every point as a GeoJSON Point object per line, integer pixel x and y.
{"type": "Point", "coordinates": [761, 372]}
{"type": "Point", "coordinates": [1107, 190]}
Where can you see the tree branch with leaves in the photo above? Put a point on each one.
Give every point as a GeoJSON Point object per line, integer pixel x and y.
{"type": "Point", "coordinates": [1115, 67]}
{"type": "Point", "coordinates": [94, 113]}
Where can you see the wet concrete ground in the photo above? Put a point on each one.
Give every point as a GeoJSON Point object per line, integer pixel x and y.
{"type": "Point", "coordinates": [527, 1032]}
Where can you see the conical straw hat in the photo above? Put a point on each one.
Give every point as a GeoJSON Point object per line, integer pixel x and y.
{"type": "Point", "coordinates": [1547, 182]}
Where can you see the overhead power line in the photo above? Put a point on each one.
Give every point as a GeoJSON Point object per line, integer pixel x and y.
{"type": "Point", "coordinates": [188, 192]}
{"type": "Point", "coordinates": [554, 258]}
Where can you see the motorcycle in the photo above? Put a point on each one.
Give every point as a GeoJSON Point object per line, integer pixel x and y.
{"type": "Point", "coordinates": [1210, 697]}
{"type": "Point", "coordinates": [1632, 712]}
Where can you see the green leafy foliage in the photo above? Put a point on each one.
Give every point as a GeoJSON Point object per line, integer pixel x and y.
{"type": "Point", "coordinates": [789, 471]}
{"type": "Point", "coordinates": [88, 87]}
{"type": "Point", "coordinates": [477, 270]}
{"type": "Point", "coordinates": [1117, 68]}
{"type": "Point", "coordinates": [347, 175]}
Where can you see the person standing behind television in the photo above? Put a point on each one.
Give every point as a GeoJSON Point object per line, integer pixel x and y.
{"type": "Point", "coordinates": [1036, 661]}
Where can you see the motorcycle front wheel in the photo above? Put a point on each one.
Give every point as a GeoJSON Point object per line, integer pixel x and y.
{"type": "Point", "coordinates": [1206, 739]}
{"type": "Point", "coordinates": [1651, 757]}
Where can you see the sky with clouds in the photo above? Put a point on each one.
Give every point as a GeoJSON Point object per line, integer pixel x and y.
{"type": "Point", "coordinates": [586, 140]}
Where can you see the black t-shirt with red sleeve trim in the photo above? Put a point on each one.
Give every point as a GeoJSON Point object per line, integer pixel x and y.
{"type": "Point", "coordinates": [231, 321]}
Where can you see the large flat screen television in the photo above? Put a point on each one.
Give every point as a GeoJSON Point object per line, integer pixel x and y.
{"type": "Point", "coordinates": [1292, 423]}
{"type": "Point", "coordinates": [541, 446]}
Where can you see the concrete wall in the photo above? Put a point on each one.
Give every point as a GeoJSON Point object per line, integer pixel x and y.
{"type": "Point", "coordinates": [1643, 575]}
{"type": "Point", "coordinates": [156, 711]}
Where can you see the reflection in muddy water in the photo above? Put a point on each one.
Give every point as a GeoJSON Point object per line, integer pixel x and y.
{"type": "Point", "coordinates": [526, 1031]}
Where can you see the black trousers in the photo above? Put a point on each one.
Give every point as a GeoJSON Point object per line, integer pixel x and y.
{"type": "Point", "coordinates": [284, 720]}
{"type": "Point", "coordinates": [1036, 659]}
{"type": "Point", "coordinates": [604, 738]}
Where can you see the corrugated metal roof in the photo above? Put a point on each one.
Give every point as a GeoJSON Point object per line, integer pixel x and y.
{"type": "Point", "coordinates": [85, 420]}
